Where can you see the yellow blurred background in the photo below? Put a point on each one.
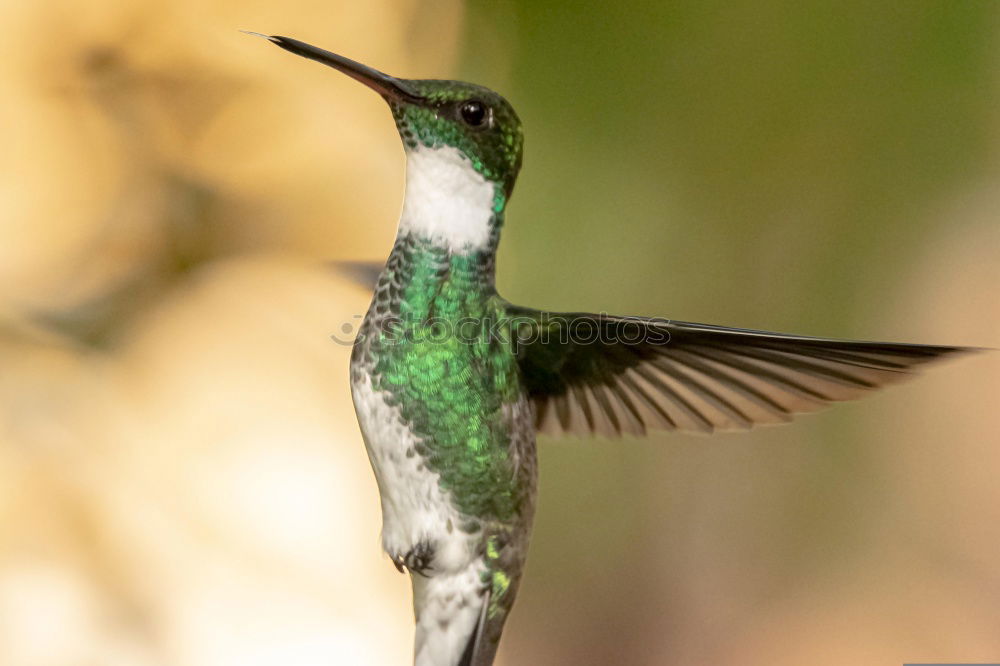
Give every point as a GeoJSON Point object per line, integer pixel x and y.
{"type": "Point", "coordinates": [182, 481]}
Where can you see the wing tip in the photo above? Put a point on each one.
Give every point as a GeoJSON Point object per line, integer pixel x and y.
{"type": "Point", "coordinates": [364, 274]}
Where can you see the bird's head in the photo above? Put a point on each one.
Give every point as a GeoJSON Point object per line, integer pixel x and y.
{"type": "Point", "coordinates": [437, 114]}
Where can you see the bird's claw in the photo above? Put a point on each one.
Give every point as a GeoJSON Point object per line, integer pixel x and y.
{"type": "Point", "coordinates": [416, 561]}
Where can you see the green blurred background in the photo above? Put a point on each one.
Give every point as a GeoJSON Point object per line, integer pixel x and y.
{"type": "Point", "coordinates": [182, 482]}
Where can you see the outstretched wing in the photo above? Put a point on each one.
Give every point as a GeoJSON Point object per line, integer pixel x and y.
{"type": "Point", "coordinates": [590, 373]}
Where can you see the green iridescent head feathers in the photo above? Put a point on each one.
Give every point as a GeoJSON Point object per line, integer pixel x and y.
{"type": "Point", "coordinates": [476, 121]}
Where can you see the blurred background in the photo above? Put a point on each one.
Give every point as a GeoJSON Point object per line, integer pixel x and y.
{"type": "Point", "coordinates": [182, 480]}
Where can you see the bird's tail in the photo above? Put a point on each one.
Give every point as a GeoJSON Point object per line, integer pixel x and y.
{"type": "Point", "coordinates": [479, 648]}
{"type": "Point", "coordinates": [458, 617]}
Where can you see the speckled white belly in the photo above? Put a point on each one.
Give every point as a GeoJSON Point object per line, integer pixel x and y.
{"type": "Point", "coordinates": [414, 506]}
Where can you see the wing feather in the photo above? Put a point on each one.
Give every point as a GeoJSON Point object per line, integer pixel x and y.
{"type": "Point", "coordinates": [693, 377]}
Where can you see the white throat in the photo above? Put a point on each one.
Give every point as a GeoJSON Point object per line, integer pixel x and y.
{"type": "Point", "coordinates": [447, 201]}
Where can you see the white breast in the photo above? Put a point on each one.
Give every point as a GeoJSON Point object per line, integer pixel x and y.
{"type": "Point", "coordinates": [447, 200]}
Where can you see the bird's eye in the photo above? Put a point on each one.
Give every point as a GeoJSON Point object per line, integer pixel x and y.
{"type": "Point", "coordinates": [474, 113]}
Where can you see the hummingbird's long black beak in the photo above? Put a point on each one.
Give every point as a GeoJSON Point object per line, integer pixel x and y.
{"type": "Point", "coordinates": [385, 85]}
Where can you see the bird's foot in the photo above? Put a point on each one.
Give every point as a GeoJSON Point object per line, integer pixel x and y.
{"type": "Point", "coordinates": [417, 560]}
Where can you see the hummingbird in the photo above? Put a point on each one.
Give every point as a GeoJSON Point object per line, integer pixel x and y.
{"type": "Point", "coordinates": [451, 382]}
